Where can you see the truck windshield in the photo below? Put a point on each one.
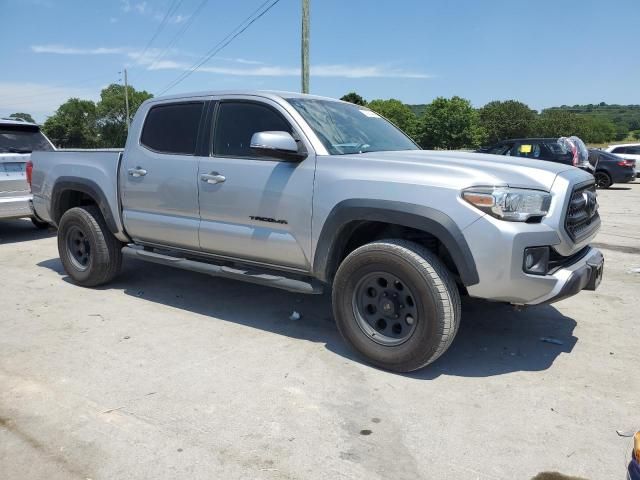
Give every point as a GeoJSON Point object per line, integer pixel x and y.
{"type": "Point", "coordinates": [344, 128]}
{"type": "Point", "coordinates": [22, 140]}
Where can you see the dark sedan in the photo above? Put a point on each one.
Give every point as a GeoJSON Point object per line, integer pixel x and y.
{"type": "Point", "coordinates": [610, 168]}
{"type": "Point", "coordinates": [568, 150]}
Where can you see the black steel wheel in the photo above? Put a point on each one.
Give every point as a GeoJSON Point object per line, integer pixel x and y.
{"type": "Point", "coordinates": [385, 308]}
{"type": "Point", "coordinates": [78, 247]}
{"type": "Point", "coordinates": [90, 253]}
{"type": "Point", "coordinates": [396, 304]}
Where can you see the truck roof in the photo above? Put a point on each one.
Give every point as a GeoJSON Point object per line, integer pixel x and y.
{"type": "Point", "coordinates": [259, 93]}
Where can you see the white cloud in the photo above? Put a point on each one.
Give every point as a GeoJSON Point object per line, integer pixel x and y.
{"type": "Point", "coordinates": [141, 7]}
{"type": "Point", "coordinates": [40, 100]}
{"type": "Point", "coordinates": [63, 50]}
{"type": "Point", "coordinates": [337, 71]}
{"type": "Point", "coordinates": [247, 68]}
{"type": "Point", "coordinates": [179, 18]}
{"type": "Point", "coordinates": [125, 5]}
{"type": "Point", "coordinates": [113, 20]}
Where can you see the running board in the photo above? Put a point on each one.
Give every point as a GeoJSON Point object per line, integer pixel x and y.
{"type": "Point", "coordinates": [251, 276]}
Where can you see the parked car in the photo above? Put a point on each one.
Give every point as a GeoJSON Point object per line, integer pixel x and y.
{"type": "Point", "coordinates": [17, 140]}
{"type": "Point", "coordinates": [306, 193]}
{"type": "Point", "coordinates": [610, 168]}
{"type": "Point", "coordinates": [630, 151]}
{"type": "Point", "coordinates": [566, 150]}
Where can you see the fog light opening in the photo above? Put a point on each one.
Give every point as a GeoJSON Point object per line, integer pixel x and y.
{"type": "Point", "coordinates": [536, 260]}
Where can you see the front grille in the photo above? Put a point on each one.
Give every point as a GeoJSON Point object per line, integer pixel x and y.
{"type": "Point", "coordinates": [582, 216]}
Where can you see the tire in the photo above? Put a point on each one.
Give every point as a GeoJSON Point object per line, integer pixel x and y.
{"type": "Point", "coordinates": [90, 254]}
{"type": "Point", "coordinates": [603, 180]}
{"type": "Point", "coordinates": [39, 224]}
{"type": "Point", "coordinates": [408, 276]}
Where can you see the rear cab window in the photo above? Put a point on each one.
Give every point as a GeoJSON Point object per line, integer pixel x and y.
{"type": "Point", "coordinates": [172, 128]}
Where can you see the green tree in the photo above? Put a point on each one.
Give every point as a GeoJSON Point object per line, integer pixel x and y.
{"type": "Point", "coordinates": [396, 112]}
{"type": "Point", "coordinates": [509, 119]}
{"type": "Point", "coordinates": [353, 97]}
{"type": "Point", "coordinates": [73, 125]}
{"type": "Point", "coordinates": [22, 116]}
{"type": "Point", "coordinates": [595, 129]}
{"type": "Point", "coordinates": [557, 123]}
{"type": "Point", "coordinates": [111, 113]}
{"type": "Point", "coordinates": [450, 123]}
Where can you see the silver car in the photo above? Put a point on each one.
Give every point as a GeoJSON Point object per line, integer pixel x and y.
{"type": "Point", "coordinates": [17, 140]}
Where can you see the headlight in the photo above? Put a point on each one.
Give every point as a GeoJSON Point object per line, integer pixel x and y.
{"type": "Point", "coordinates": [511, 204]}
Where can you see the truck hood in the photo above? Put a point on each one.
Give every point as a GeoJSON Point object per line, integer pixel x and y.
{"type": "Point", "coordinates": [464, 169]}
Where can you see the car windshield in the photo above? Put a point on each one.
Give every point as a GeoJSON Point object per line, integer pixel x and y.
{"type": "Point", "coordinates": [344, 128]}
{"type": "Point", "coordinates": [22, 140]}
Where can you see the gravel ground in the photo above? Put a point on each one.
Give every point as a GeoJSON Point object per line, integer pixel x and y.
{"type": "Point", "coordinates": [169, 374]}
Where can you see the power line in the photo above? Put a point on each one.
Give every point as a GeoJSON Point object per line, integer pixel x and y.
{"type": "Point", "coordinates": [180, 33]}
{"type": "Point", "coordinates": [251, 19]}
{"type": "Point", "coordinates": [173, 7]}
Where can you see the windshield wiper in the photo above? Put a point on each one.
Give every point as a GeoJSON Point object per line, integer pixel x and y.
{"type": "Point", "coordinates": [17, 150]}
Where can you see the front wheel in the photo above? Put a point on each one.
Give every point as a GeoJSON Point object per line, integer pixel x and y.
{"type": "Point", "coordinates": [396, 304]}
{"type": "Point", "coordinates": [90, 254]}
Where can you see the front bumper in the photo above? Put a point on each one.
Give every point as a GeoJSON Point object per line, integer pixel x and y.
{"type": "Point", "coordinates": [498, 250]}
{"type": "Point", "coordinates": [15, 207]}
{"type": "Point", "coordinates": [585, 274]}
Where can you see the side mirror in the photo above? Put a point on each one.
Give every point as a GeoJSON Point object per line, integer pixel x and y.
{"type": "Point", "coordinates": [276, 144]}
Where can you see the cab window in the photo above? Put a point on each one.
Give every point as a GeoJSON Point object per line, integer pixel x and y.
{"type": "Point", "coordinates": [172, 128]}
{"type": "Point", "coordinates": [236, 122]}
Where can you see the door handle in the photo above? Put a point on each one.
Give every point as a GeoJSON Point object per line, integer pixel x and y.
{"type": "Point", "coordinates": [212, 178]}
{"type": "Point", "coordinates": [137, 172]}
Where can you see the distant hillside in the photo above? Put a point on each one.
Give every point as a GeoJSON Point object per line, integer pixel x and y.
{"type": "Point", "coordinates": [626, 115]}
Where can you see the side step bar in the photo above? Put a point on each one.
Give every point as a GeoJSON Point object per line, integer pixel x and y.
{"type": "Point", "coordinates": [252, 276]}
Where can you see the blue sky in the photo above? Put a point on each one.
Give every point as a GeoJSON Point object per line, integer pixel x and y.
{"type": "Point", "coordinates": [541, 52]}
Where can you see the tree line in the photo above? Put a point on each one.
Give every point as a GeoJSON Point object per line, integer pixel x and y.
{"type": "Point", "coordinates": [81, 123]}
{"type": "Point", "coordinates": [445, 123]}
{"type": "Point", "coordinates": [453, 123]}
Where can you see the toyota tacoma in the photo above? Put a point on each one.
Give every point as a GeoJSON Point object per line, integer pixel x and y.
{"type": "Point", "coordinates": [307, 193]}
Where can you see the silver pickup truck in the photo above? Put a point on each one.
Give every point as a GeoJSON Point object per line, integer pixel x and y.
{"type": "Point", "coordinates": [17, 140]}
{"type": "Point", "coordinates": [306, 193]}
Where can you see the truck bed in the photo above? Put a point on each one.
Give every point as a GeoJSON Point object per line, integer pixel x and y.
{"type": "Point", "coordinates": [86, 167]}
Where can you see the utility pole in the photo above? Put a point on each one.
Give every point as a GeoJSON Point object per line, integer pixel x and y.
{"type": "Point", "coordinates": [305, 46]}
{"type": "Point", "coordinates": [126, 97]}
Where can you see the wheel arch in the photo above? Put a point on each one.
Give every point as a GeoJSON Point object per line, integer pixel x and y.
{"type": "Point", "coordinates": [348, 215]}
{"type": "Point", "coordinates": [69, 192]}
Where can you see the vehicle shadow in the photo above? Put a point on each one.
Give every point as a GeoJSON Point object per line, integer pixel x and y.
{"type": "Point", "coordinates": [493, 339]}
{"type": "Point", "coordinates": [21, 230]}
{"type": "Point", "coordinates": [619, 188]}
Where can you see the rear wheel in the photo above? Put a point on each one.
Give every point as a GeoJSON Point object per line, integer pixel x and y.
{"type": "Point", "coordinates": [396, 304]}
{"type": "Point", "coordinates": [603, 180]}
{"type": "Point", "coordinates": [90, 254]}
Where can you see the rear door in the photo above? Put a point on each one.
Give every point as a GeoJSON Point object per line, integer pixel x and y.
{"type": "Point", "coordinates": [261, 209]}
{"type": "Point", "coordinates": [158, 176]}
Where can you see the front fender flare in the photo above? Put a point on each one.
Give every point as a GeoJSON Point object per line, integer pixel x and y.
{"type": "Point", "coordinates": [410, 215]}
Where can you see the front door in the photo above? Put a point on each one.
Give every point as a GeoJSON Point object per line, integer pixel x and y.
{"type": "Point", "coordinates": [254, 207]}
{"type": "Point", "coordinates": [159, 177]}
